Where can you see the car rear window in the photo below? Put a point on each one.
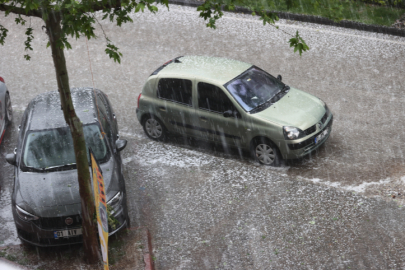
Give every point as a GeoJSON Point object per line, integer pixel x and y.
{"type": "Point", "coordinates": [177, 90]}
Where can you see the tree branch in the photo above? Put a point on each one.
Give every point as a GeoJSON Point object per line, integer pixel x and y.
{"type": "Point", "coordinates": [21, 11]}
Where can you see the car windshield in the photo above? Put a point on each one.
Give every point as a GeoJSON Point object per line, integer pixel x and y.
{"type": "Point", "coordinates": [253, 88]}
{"type": "Point", "coordinates": [46, 149]}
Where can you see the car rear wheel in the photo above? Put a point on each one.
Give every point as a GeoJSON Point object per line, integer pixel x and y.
{"type": "Point", "coordinates": [154, 128]}
{"type": "Point", "coordinates": [266, 153]}
{"type": "Point", "coordinates": [9, 110]}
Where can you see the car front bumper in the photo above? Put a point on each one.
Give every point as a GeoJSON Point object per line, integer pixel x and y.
{"type": "Point", "coordinates": [295, 150]}
{"type": "Point", "coordinates": [35, 233]}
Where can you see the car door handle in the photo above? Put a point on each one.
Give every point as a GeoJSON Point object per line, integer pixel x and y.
{"type": "Point", "coordinates": [163, 109]}
{"type": "Point", "coordinates": [203, 118]}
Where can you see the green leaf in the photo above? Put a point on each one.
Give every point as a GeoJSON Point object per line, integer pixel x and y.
{"type": "Point", "coordinates": [113, 53]}
{"type": "Point", "coordinates": [140, 6]}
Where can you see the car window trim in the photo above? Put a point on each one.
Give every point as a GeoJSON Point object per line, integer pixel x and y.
{"type": "Point", "coordinates": [178, 102]}
{"type": "Point", "coordinates": [208, 110]}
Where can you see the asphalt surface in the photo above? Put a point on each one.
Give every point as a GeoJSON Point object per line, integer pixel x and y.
{"type": "Point", "coordinates": [209, 207]}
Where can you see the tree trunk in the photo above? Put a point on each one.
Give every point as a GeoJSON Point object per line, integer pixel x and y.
{"type": "Point", "coordinates": [90, 242]}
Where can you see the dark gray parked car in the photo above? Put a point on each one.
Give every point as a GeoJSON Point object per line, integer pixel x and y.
{"type": "Point", "coordinates": [46, 203]}
{"type": "Point", "coordinates": [6, 111]}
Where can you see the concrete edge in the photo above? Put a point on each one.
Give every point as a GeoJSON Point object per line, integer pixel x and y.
{"type": "Point", "coordinates": [148, 250]}
{"type": "Point", "coordinates": [312, 19]}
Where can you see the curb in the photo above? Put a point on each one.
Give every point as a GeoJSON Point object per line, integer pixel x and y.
{"type": "Point", "coordinates": [148, 251]}
{"type": "Point", "coordinates": [312, 19]}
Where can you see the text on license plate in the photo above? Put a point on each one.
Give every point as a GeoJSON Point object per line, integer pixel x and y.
{"type": "Point", "coordinates": [67, 233]}
{"type": "Point", "coordinates": [321, 136]}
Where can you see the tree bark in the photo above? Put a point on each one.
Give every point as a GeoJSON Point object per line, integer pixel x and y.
{"type": "Point", "coordinates": [90, 243]}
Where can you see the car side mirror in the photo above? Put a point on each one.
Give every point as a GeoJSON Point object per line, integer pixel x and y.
{"type": "Point", "coordinates": [279, 77]}
{"type": "Point", "coordinates": [11, 158]}
{"type": "Point", "coordinates": [120, 144]}
{"type": "Point", "coordinates": [228, 113]}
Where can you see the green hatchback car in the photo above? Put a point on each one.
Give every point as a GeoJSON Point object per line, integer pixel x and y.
{"type": "Point", "coordinates": [235, 104]}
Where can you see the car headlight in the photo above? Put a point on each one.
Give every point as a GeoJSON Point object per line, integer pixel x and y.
{"type": "Point", "coordinates": [115, 202]}
{"type": "Point", "coordinates": [292, 133]}
{"type": "Point", "coordinates": [24, 215]}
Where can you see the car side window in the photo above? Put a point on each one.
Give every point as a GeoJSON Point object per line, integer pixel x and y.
{"type": "Point", "coordinates": [177, 90]}
{"type": "Point", "coordinates": [101, 105]}
{"type": "Point", "coordinates": [104, 117]}
{"type": "Point", "coordinates": [212, 98]}
{"type": "Point", "coordinates": [106, 126]}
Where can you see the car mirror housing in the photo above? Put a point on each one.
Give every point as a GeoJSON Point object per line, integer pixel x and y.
{"type": "Point", "coordinates": [227, 113]}
{"type": "Point", "coordinates": [11, 158]}
{"type": "Point", "coordinates": [230, 113]}
{"type": "Point", "coordinates": [279, 77]}
{"type": "Point", "coordinates": [120, 144]}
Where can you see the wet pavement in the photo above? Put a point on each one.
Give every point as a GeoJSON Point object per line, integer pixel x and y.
{"type": "Point", "coordinates": [210, 207]}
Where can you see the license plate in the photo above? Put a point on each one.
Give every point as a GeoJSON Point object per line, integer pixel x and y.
{"type": "Point", "coordinates": [321, 136]}
{"type": "Point", "coordinates": [67, 233]}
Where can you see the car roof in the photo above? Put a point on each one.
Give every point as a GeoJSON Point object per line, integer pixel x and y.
{"type": "Point", "coordinates": [46, 112]}
{"type": "Point", "coordinates": [220, 70]}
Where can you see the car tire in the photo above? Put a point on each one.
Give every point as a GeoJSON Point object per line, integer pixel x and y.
{"type": "Point", "coordinates": [9, 110]}
{"type": "Point", "coordinates": [154, 128]}
{"type": "Point", "coordinates": [265, 152]}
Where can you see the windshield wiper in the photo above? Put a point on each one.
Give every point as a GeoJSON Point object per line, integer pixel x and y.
{"type": "Point", "coordinates": [283, 90]}
{"type": "Point", "coordinates": [269, 102]}
{"type": "Point", "coordinates": [33, 169]}
{"type": "Point", "coordinates": [65, 166]}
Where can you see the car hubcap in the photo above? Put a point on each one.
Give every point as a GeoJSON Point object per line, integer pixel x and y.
{"type": "Point", "coordinates": [265, 154]}
{"type": "Point", "coordinates": [9, 110]}
{"type": "Point", "coordinates": [153, 128]}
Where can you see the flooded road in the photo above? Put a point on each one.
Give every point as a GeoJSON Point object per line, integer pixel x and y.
{"type": "Point", "coordinates": [212, 208]}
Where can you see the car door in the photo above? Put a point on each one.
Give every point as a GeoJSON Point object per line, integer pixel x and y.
{"type": "Point", "coordinates": [214, 125]}
{"type": "Point", "coordinates": [175, 104]}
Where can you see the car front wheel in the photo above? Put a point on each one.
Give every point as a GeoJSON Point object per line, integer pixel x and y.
{"type": "Point", "coordinates": [154, 128]}
{"type": "Point", "coordinates": [266, 153]}
{"type": "Point", "coordinates": [9, 110]}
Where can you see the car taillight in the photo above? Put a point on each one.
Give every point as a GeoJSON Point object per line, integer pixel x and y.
{"type": "Point", "coordinates": [2, 80]}
{"type": "Point", "coordinates": [139, 97]}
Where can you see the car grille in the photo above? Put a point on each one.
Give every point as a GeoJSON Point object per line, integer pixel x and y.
{"type": "Point", "coordinates": [58, 222]}
{"type": "Point", "coordinates": [310, 130]}
{"type": "Point", "coordinates": [309, 141]}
